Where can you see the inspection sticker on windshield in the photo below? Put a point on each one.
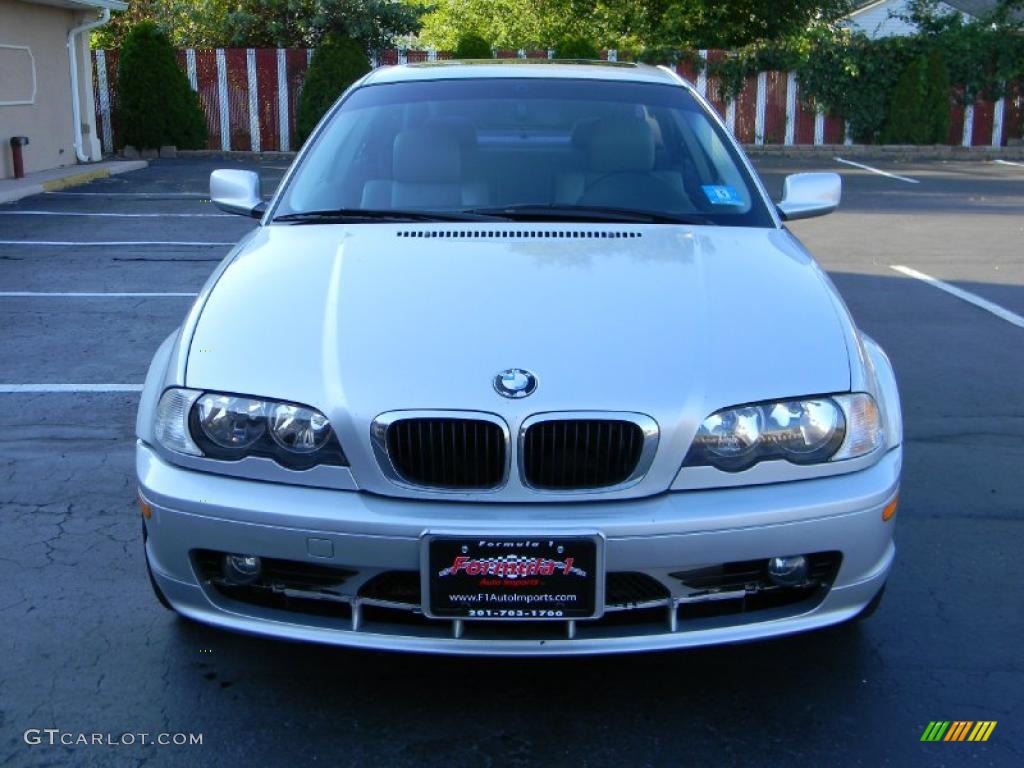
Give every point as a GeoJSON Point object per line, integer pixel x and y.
{"type": "Point", "coordinates": [719, 194]}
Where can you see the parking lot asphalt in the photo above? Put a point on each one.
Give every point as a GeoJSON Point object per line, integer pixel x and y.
{"type": "Point", "coordinates": [84, 647]}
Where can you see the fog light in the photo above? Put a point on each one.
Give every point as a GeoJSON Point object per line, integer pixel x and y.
{"type": "Point", "coordinates": [788, 571]}
{"type": "Point", "coordinates": [242, 569]}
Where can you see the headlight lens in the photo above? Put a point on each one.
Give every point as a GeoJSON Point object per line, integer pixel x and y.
{"type": "Point", "coordinates": [231, 422]}
{"type": "Point", "coordinates": [233, 427]}
{"type": "Point", "coordinates": [298, 429]}
{"type": "Point", "coordinates": [806, 431]}
{"type": "Point", "coordinates": [804, 427]}
{"type": "Point", "coordinates": [732, 434]}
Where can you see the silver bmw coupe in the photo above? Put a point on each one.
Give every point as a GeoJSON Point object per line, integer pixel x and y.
{"type": "Point", "coordinates": [520, 360]}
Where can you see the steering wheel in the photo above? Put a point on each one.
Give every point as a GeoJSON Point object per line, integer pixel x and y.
{"type": "Point", "coordinates": [633, 189]}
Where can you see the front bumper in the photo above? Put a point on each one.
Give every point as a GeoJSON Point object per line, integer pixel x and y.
{"type": "Point", "coordinates": [654, 536]}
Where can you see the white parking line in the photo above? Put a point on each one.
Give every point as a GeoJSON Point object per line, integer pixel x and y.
{"type": "Point", "coordinates": [144, 195]}
{"type": "Point", "coordinates": [1009, 162]}
{"type": "Point", "coordinates": [198, 243]}
{"type": "Point", "coordinates": [118, 215]}
{"type": "Point", "coordinates": [1001, 312]}
{"type": "Point", "coordinates": [89, 295]}
{"type": "Point", "coordinates": [9, 389]}
{"type": "Point", "coordinates": [877, 170]}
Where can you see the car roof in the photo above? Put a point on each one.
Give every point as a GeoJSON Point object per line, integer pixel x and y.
{"type": "Point", "coordinates": [521, 68]}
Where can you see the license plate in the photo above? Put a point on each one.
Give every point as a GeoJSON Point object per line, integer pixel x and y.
{"type": "Point", "coordinates": [512, 578]}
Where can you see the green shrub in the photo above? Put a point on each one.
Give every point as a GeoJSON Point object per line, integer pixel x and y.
{"type": "Point", "coordinates": [337, 63]}
{"type": "Point", "coordinates": [158, 106]}
{"type": "Point", "coordinates": [937, 98]}
{"type": "Point", "coordinates": [472, 46]}
{"type": "Point", "coordinates": [919, 103]}
{"type": "Point", "coordinates": [905, 123]}
{"type": "Point", "coordinates": [576, 48]}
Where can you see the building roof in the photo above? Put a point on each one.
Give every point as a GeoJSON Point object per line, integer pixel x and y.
{"type": "Point", "coordinates": [502, 68]}
{"type": "Point", "coordinates": [973, 8]}
{"type": "Point", "coordinates": [82, 5]}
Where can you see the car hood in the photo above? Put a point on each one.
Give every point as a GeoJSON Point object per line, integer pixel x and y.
{"type": "Point", "coordinates": [673, 322]}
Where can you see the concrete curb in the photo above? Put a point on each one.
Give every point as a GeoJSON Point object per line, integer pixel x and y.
{"type": "Point", "coordinates": [900, 153]}
{"type": "Point", "coordinates": [235, 154]}
{"type": "Point", "coordinates": [72, 178]}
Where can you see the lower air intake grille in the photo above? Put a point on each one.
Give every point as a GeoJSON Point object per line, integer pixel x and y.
{"type": "Point", "coordinates": [625, 588]}
{"type": "Point", "coordinates": [447, 452]}
{"type": "Point", "coordinates": [568, 454]}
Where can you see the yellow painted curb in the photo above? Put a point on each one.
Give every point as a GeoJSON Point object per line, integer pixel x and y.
{"type": "Point", "coordinates": [75, 179]}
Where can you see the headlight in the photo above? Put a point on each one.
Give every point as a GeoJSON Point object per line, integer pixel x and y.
{"type": "Point", "coordinates": [233, 427]}
{"type": "Point", "coordinates": [171, 427]}
{"type": "Point", "coordinates": [733, 434]}
{"type": "Point", "coordinates": [864, 431]}
{"type": "Point", "coordinates": [806, 431]}
{"type": "Point", "coordinates": [299, 429]}
{"type": "Point", "coordinates": [231, 422]}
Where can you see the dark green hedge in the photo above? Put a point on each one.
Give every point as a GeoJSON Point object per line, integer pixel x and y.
{"type": "Point", "coordinates": [472, 46]}
{"type": "Point", "coordinates": [576, 48]}
{"type": "Point", "coordinates": [337, 63]}
{"type": "Point", "coordinates": [919, 103]}
{"type": "Point", "coordinates": [157, 105]}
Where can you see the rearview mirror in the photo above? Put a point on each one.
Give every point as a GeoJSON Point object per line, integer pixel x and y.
{"type": "Point", "coordinates": [806, 195]}
{"type": "Point", "coordinates": [237, 192]}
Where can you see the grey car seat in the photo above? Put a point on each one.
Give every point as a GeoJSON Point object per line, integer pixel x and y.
{"type": "Point", "coordinates": [426, 172]}
{"type": "Point", "coordinates": [619, 151]}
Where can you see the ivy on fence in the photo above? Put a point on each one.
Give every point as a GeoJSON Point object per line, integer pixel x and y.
{"type": "Point", "coordinates": [853, 77]}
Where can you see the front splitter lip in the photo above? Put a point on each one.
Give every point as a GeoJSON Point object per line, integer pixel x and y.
{"type": "Point", "coordinates": [839, 605]}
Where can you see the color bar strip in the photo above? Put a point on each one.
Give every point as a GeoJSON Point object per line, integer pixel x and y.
{"type": "Point", "coordinates": [935, 731]}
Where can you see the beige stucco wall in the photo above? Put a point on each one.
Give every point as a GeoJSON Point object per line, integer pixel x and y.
{"type": "Point", "coordinates": [48, 121]}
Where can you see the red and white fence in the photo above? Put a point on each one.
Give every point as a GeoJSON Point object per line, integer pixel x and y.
{"type": "Point", "coordinates": [249, 97]}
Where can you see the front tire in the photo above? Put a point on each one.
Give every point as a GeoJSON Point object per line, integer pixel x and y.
{"type": "Point", "coordinates": [149, 572]}
{"type": "Point", "coordinates": [869, 609]}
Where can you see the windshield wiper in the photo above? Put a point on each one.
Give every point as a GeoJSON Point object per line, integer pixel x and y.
{"type": "Point", "coordinates": [328, 216]}
{"type": "Point", "coordinates": [532, 212]}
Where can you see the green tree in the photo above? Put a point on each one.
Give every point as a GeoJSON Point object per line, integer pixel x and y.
{"type": "Point", "coordinates": [157, 106]}
{"type": "Point", "coordinates": [287, 23]}
{"type": "Point", "coordinates": [658, 25]}
{"type": "Point", "coordinates": [472, 46]}
{"type": "Point", "coordinates": [514, 24]}
{"type": "Point", "coordinates": [576, 48]}
{"type": "Point", "coordinates": [188, 23]}
{"type": "Point", "coordinates": [337, 63]}
{"type": "Point", "coordinates": [905, 123]}
{"type": "Point", "coordinates": [715, 24]}
{"type": "Point", "coordinates": [265, 23]}
{"type": "Point", "coordinates": [936, 101]}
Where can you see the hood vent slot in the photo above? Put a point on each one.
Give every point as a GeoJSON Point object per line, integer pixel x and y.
{"type": "Point", "coordinates": [520, 234]}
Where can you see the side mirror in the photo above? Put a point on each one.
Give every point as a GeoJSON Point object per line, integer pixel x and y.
{"type": "Point", "coordinates": [237, 192]}
{"type": "Point", "coordinates": [806, 195]}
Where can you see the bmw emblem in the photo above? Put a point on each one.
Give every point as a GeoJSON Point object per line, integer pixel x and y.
{"type": "Point", "coordinates": [515, 383]}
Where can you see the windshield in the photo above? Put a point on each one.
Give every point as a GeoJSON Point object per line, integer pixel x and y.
{"type": "Point", "coordinates": [524, 148]}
